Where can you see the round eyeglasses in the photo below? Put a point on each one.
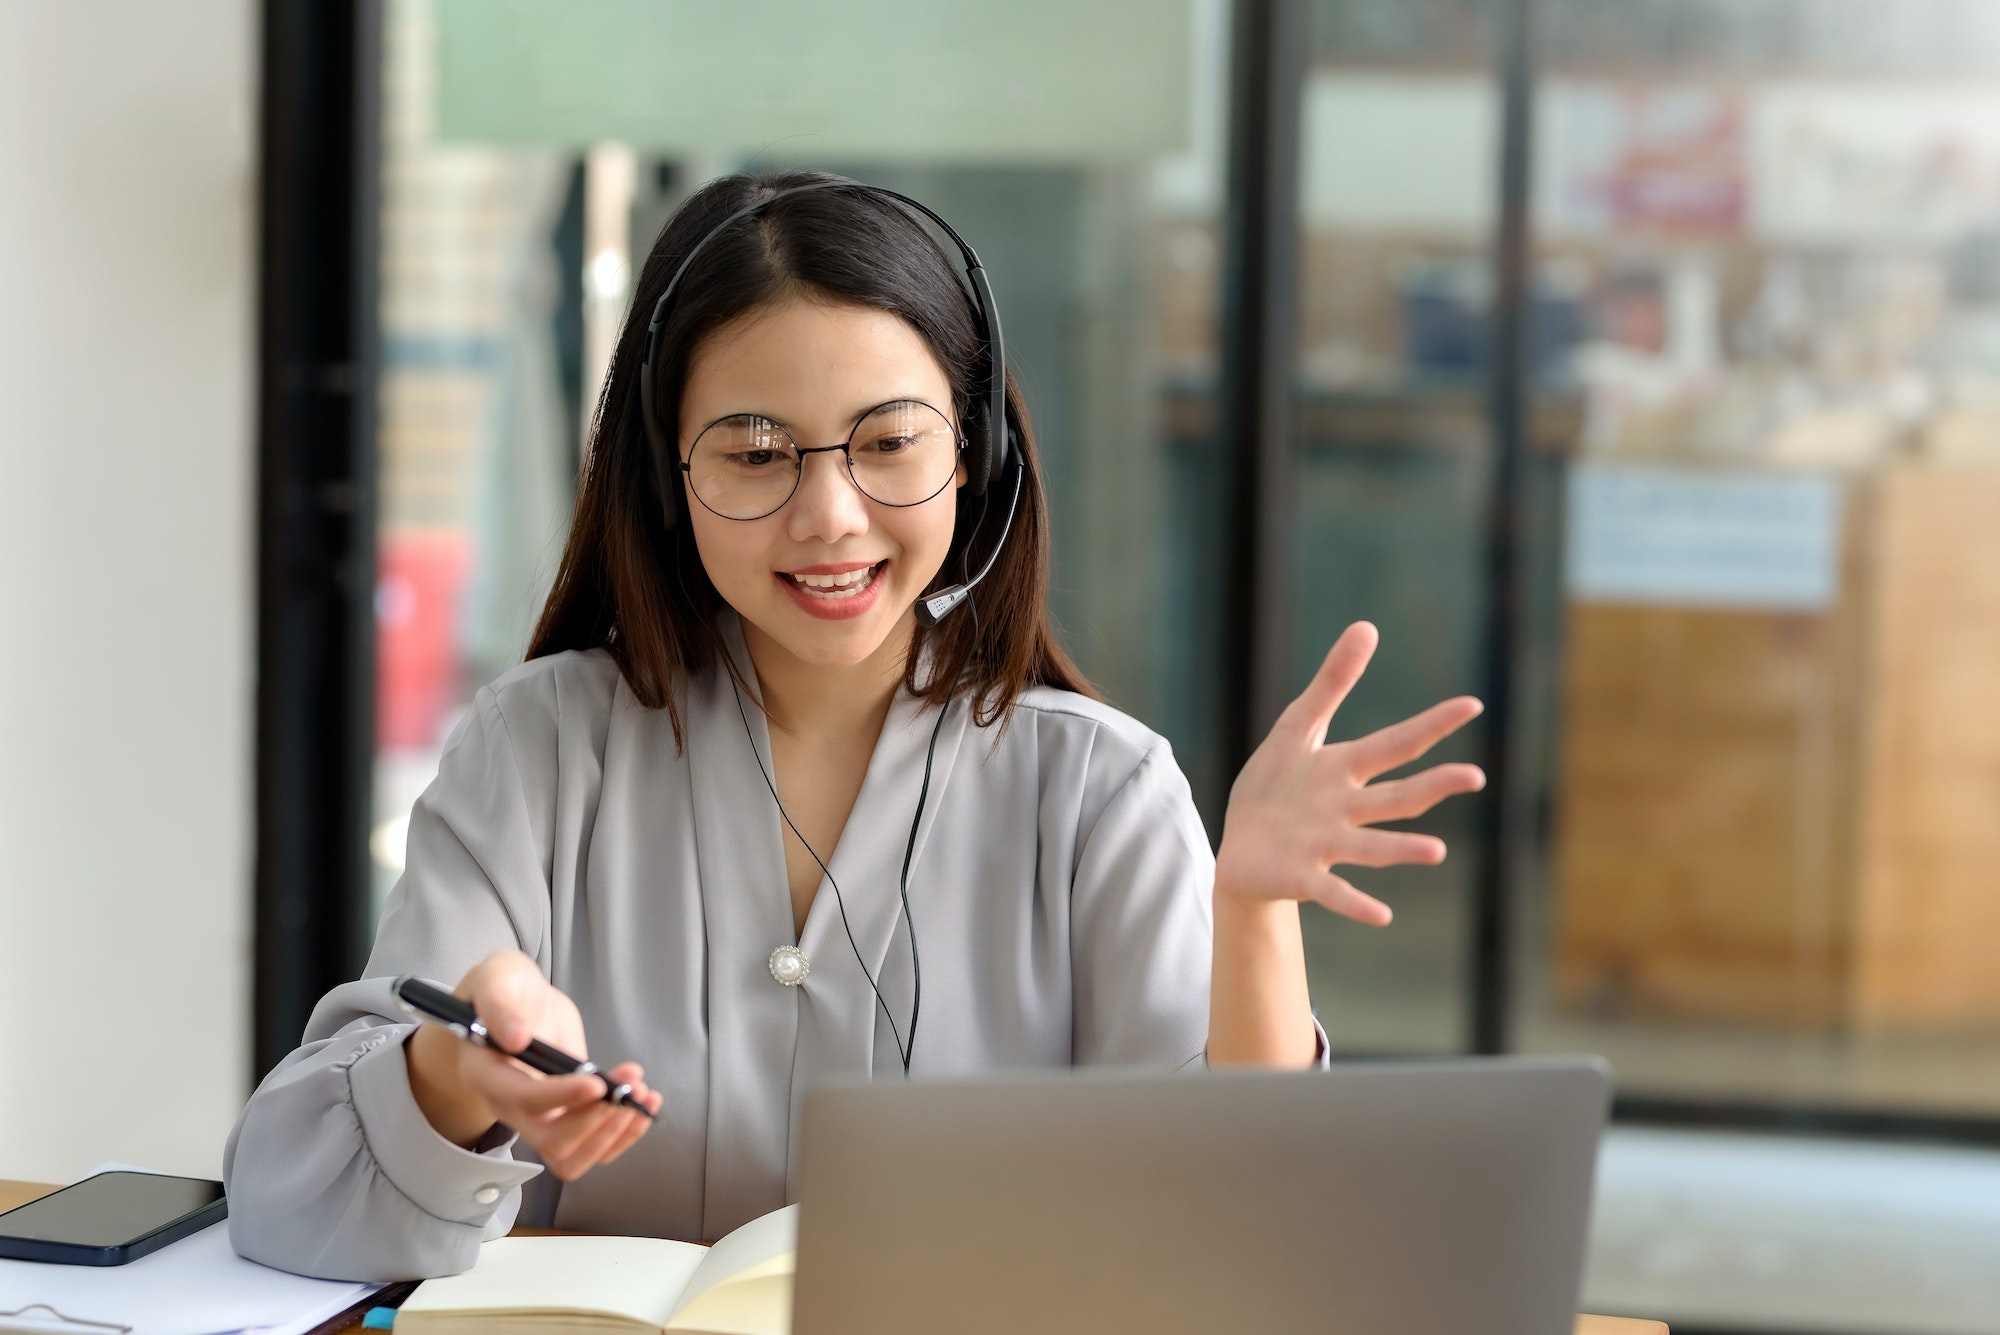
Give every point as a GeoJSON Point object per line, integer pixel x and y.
{"type": "Point", "coordinates": [746, 467]}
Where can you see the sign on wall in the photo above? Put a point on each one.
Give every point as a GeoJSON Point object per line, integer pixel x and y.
{"type": "Point", "coordinates": [1664, 159]}
{"type": "Point", "coordinates": [1852, 162]}
{"type": "Point", "coordinates": [1704, 538]}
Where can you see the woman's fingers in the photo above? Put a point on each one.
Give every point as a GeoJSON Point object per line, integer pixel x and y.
{"type": "Point", "coordinates": [631, 1073]}
{"type": "Point", "coordinates": [565, 1117]}
{"type": "Point", "coordinates": [1391, 848]}
{"type": "Point", "coordinates": [639, 1126]}
{"type": "Point", "coordinates": [626, 1073]}
{"type": "Point", "coordinates": [630, 1128]}
{"type": "Point", "coordinates": [1406, 799]}
{"type": "Point", "coordinates": [652, 1099]}
{"type": "Point", "coordinates": [580, 1138]}
{"type": "Point", "coordinates": [1400, 743]}
{"type": "Point", "coordinates": [570, 1151]}
{"type": "Point", "coordinates": [636, 1129]}
{"type": "Point", "coordinates": [1308, 717]}
{"type": "Point", "coordinates": [1336, 894]}
{"type": "Point", "coordinates": [1299, 805]}
{"type": "Point", "coordinates": [521, 1096]}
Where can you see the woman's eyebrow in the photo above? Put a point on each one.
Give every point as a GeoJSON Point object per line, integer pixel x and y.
{"type": "Point", "coordinates": [859, 417]}
{"type": "Point", "coordinates": [751, 412]}
{"type": "Point", "coordinates": [852, 422]}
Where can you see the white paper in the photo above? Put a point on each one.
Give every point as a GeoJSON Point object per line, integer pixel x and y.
{"type": "Point", "coordinates": [197, 1286]}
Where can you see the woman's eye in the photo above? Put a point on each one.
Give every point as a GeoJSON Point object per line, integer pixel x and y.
{"type": "Point", "coordinates": [754, 458]}
{"type": "Point", "coordinates": [889, 444]}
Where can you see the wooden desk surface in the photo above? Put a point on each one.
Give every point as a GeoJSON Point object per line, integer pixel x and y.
{"type": "Point", "coordinates": [20, 1193]}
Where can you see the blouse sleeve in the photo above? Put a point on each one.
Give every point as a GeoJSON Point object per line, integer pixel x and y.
{"type": "Point", "coordinates": [1143, 924]}
{"type": "Point", "coordinates": [332, 1169]}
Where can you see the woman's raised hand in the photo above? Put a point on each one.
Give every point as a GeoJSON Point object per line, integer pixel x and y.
{"type": "Point", "coordinates": [464, 1089]}
{"type": "Point", "coordinates": [1302, 805]}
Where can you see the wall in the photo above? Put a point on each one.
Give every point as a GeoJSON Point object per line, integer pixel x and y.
{"type": "Point", "coordinates": [127, 297]}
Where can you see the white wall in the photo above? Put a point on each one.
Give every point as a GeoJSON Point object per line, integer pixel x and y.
{"type": "Point", "coordinates": [127, 284]}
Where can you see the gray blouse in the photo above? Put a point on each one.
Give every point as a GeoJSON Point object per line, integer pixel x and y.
{"type": "Point", "coordinates": [1060, 893]}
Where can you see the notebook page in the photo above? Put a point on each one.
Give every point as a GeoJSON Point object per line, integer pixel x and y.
{"type": "Point", "coordinates": [640, 1279]}
{"type": "Point", "coordinates": [763, 1239]}
{"type": "Point", "coordinates": [757, 1301]}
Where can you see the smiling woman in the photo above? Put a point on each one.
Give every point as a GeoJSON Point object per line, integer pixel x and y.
{"type": "Point", "coordinates": [827, 307]}
{"type": "Point", "coordinates": [732, 690]}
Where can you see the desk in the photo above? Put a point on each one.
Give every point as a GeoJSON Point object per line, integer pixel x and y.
{"type": "Point", "coordinates": [20, 1193]}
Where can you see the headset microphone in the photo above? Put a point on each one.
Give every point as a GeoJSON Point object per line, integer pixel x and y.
{"type": "Point", "coordinates": [935, 607]}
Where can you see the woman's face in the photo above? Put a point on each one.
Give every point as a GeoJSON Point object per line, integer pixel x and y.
{"type": "Point", "coordinates": [816, 368]}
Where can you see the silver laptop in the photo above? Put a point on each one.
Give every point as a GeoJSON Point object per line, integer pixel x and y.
{"type": "Point", "coordinates": [1407, 1198]}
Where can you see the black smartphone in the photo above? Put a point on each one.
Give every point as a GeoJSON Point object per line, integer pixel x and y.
{"type": "Point", "coordinates": [110, 1218]}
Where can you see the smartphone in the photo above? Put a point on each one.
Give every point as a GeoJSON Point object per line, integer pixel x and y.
{"type": "Point", "coordinates": [111, 1218]}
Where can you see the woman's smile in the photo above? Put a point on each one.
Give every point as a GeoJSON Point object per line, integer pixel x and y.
{"type": "Point", "coordinates": [835, 590]}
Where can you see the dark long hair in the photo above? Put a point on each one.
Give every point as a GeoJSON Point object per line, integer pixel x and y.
{"type": "Point", "coordinates": [631, 585]}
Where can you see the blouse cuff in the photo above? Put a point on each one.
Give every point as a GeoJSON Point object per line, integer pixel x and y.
{"type": "Point", "coordinates": [1322, 1053]}
{"type": "Point", "coordinates": [443, 1180]}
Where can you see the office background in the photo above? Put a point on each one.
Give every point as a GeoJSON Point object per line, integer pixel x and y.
{"type": "Point", "coordinates": [1633, 363]}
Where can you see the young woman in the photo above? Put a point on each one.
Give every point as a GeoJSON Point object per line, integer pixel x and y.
{"type": "Point", "coordinates": [742, 821]}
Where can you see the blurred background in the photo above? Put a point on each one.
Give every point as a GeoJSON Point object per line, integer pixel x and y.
{"type": "Point", "coordinates": [1633, 364]}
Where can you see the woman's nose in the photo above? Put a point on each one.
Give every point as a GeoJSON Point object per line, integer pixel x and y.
{"type": "Point", "coordinates": [828, 506]}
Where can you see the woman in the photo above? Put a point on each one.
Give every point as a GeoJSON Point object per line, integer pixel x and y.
{"type": "Point", "coordinates": [744, 821]}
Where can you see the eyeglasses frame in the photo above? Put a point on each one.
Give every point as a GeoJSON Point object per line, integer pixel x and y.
{"type": "Point", "coordinates": [959, 446]}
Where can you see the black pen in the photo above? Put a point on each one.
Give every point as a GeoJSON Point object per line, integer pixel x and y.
{"type": "Point", "coordinates": [428, 1002]}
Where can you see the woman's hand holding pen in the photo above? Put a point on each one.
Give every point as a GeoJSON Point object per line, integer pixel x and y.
{"type": "Point", "coordinates": [1301, 807]}
{"type": "Point", "coordinates": [464, 1088]}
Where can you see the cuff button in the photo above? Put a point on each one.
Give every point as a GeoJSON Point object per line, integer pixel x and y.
{"type": "Point", "coordinates": [486, 1195]}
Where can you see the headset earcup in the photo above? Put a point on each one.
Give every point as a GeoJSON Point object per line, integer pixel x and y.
{"type": "Point", "coordinates": [670, 510]}
{"type": "Point", "coordinates": [992, 452]}
{"type": "Point", "coordinates": [1010, 454]}
{"type": "Point", "coordinates": [650, 438]}
{"type": "Point", "coordinates": [978, 456]}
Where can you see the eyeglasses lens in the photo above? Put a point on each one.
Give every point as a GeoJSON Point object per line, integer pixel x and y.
{"type": "Point", "coordinates": [747, 467]}
{"type": "Point", "coordinates": [903, 453]}
{"type": "Point", "coordinates": [743, 467]}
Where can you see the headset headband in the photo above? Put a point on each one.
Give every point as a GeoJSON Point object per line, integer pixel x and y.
{"type": "Point", "coordinates": [993, 439]}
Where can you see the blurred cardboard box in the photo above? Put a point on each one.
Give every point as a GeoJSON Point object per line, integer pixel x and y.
{"type": "Point", "coordinates": [1779, 799]}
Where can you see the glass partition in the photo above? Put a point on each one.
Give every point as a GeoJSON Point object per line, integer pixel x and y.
{"type": "Point", "coordinates": [1773, 812]}
{"type": "Point", "coordinates": [1394, 457]}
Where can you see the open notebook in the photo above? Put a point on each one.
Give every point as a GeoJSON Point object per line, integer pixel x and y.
{"type": "Point", "coordinates": [527, 1286]}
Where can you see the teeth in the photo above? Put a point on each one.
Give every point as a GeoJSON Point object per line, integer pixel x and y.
{"type": "Point", "coordinates": [836, 586]}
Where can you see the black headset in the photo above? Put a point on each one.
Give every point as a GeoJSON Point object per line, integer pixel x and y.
{"type": "Point", "coordinates": [992, 453]}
